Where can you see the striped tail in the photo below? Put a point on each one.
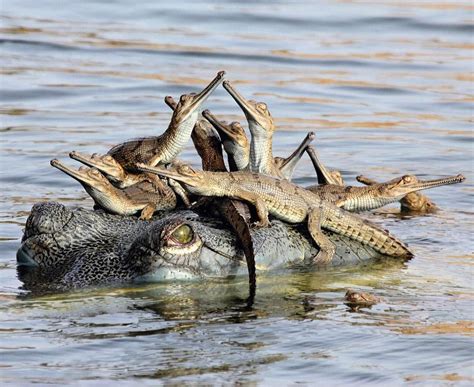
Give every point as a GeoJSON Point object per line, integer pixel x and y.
{"type": "Point", "coordinates": [360, 230]}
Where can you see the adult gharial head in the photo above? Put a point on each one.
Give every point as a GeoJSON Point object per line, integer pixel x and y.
{"type": "Point", "coordinates": [72, 248]}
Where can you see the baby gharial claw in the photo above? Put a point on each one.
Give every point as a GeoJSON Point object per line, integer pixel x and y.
{"type": "Point", "coordinates": [261, 224]}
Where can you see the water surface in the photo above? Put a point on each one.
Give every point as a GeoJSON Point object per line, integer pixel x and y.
{"type": "Point", "coordinates": [387, 86]}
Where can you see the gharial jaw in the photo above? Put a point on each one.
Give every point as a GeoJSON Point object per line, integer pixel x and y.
{"type": "Point", "coordinates": [380, 194]}
{"type": "Point", "coordinates": [100, 189]}
{"type": "Point", "coordinates": [86, 176]}
{"type": "Point", "coordinates": [111, 168]}
{"type": "Point", "coordinates": [257, 113]}
{"type": "Point", "coordinates": [402, 186]}
{"type": "Point", "coordinates": [190, 103]}
{"type": "Point", "coordinates": [287, 166]}
{"type": "Point", "coordinates": [324, 175]}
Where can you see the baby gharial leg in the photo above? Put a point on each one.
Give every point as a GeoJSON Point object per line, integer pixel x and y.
{"type": "Point", "coordinates": [260, 206]}
{"type": "Point", "coordinates": [180, 191]}
{"type": "Point", "coordinates": [326, 247]}
{"type": "Point", "coordinates": [147, 211]}
{"type": "Point", "coordinates": [157, 183]}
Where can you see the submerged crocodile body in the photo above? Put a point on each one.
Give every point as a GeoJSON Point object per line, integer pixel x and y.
{"type": "Point", "coordinates": [65, 248]}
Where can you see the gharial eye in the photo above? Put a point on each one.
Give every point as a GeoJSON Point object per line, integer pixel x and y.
{"type": "Point", "coordinates": [262, 106]}
{"type": "Point", "coordinates": [184, 169]}
{"type": "Point", "coordinates": [407, 179]}
{"type": "Point", "coordinates": [182, 98]}
{"type": "Point", "coordinates": [183, 234]}
{"type": "Point", "coordinates": [95, 172]}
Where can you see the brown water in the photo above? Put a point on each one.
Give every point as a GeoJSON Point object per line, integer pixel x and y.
{"type": "Point", "coordinates": [387, 86]}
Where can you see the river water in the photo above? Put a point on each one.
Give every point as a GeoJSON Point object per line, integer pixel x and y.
{"type": "Point", "coordinates": [388, 88]}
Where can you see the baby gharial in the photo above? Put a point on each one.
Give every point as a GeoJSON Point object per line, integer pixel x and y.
{"type": "Point", "coordinates": [288, 202]}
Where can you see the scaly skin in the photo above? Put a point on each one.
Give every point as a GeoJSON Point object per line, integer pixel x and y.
{"type": "Point", "coordinates": [141, 197]}
{"type": "Point", "coordinates": [206, 141]}
{"type": "Point", "coordinates": [261, 128]}
{"type": "Point", "coordinates": [156, 150]}
{"type": "Point", "coordinates": [324, 175]}
{"type": "Point", "coordinates": [378, 195]}
{"type": "Point", "coordinates": [65, 248]}
{"type": "Point", "coordinates": [287, 202]}
{"type": "Point", "coordinates": [413, 202]}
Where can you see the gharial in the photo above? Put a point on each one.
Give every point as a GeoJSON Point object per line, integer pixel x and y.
{"type": "Point", "coordinates": [66, 248]}
{"type": "Point", "coordinates": [119, 163]}
{"type": "Point", "coordinates": [287, 202]}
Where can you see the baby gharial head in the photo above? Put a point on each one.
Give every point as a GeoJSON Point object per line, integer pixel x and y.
{"type": "Point", "coordinates": [203, 131]}
{"type": "Point", "coordinates": [337, 177]}
{"type": "Point", "coordinates": [94, 177]}
{"type": "Point", "coordinates": [403, 185]}
{"type": "Point", "coordinates": [90, 177]}
{"type": "Point", "coordinates": [104, 163]}
{"type": "Point", "coordinates": [95, 159]}
{"type": "Point", "coordinates": [180, 172]}
{"type": "Point", "coordinates": [189, 104]}
{"type": "Point", "coordinates": [416, 202]}
{"type": "Point", "coordinates": [232, 135]}
{"type": "Point", "coordinates": [257, 113]}
{"type": "Point", "coordinates": [106, 160]}
{"type": "Point", "coordinates": [237, 137]}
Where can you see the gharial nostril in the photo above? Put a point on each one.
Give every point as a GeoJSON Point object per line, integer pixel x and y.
{"type": "Point", "coordinates": [24, 256]}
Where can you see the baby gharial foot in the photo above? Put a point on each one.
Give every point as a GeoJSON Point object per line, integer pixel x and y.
{"type": "Point", "coordinates": [147, 212]}
{"type": "Point", "coordinates": [262, 223]}
{"type": "Point", "coordinates": [326, 247]}
{"type": "Point", "coordinates": [158, 184]}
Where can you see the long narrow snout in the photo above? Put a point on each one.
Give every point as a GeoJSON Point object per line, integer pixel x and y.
{"type": "Point", "coordinates": [207, 91]}
{"type": "Point", "coordinates": [164, 173]}
{"type": "Point", "coordinates": [426, 184]}
{"type": "Point", "coordinates": [247, 108]}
